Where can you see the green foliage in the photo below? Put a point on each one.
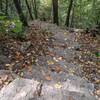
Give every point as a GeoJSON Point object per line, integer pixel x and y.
{"type": "Point", "coordinates": [86, 13]}
{"type": "Point", "coordinates": [97, 54]}
{"type": "Point", "coordinates": [17, 32]}
{"type": "Point", "coordinates": [6, 27]}
{"type": "Point", "coordinates": [18, 26]}
{"type": "Point", "coordinates": [45, 9]}
{"type": "Point", "coordinates": [3, 18]}
{"type": "Point", "coordinates": [3, 25]}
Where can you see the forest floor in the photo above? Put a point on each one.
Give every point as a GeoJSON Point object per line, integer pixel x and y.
{"type": "Point", "coordinates": [49, 52]}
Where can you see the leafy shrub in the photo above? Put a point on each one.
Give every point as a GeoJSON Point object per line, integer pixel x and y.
{"type": "Point", "coordinates": [11, 27]}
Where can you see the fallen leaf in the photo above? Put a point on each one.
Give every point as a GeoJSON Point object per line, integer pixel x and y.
{"type": "Point", "coordinates": [50, 53]}
{"type": "Point", "coordinates": [65, 33]}
{"type": "Point", "coordinates": [50, 62]}
{"type": "Point", "coordinates": [48, 78]}
{"type": "Point", "coordinates": [60, 58]}
{"type": "Point", "coordinates": [57, 69]}
{"type": "Point", "coordinates": [97, 92]}
{"type": "Point", "coordinates": [21, 74]}
{"type": "Point", "coordinates": [28, 54]}
{"type": "Point", "coordinates": [58, 86]}
{"type": "Point", "coordinates": [8, 65]}
{"type": "Point", "coordinates": [97, 81]}
{"type": "Point", "coordinates": [55, 59]}
{"type": "Point", "coordinates": [17, 55]}
{"type": "Point", "coordinates": [6, 83]}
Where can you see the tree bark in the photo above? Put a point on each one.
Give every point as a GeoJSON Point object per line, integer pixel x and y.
{"type": "Point", "coordinates": [72, 16]}
{"type": "Point", "coordinates": [20, 13]}
{"type": "Point", "coordinates": [1, 6]}
{"type": "Point", "coordinates": [29, 9]}
{"type": "Point", "coordinates": [81, 10]}
{"type": "Point", "coordinates": [6, 9]}
{"type": "Point", "coordinates": [55, 12]}
{"type": "Point", "coordinates": [68, 13]}
{"type": "Point", "coordinates": [35, 8]}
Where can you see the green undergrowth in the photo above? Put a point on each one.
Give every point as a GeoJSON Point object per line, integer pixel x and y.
{"type": "Point", "coordinates": [12, 27]}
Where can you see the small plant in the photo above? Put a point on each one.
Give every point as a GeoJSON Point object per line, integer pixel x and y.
{"type": "Point", "coordinates": [12, 28]}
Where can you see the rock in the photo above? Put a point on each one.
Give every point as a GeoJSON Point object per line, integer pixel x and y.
{"type": "Point", "coordinates": [19, 89]}
{"type": "Point", "coordinates": [29, 89]}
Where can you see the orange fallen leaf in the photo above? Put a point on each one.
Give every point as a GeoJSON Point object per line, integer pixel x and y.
{"type": "Point", "coordinates": [17, 53]}
{"type": "Point", "coordinates": [18, 56]}
{"type": "Point", "coordinates": [57, 69]}
{"type": "Point", "coordinates": [48, 78]}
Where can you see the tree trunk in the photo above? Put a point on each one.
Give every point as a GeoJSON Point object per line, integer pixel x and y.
{"type": "Point", "coordinates": [35, 8]}
{"type": "Point", "coordinates": [20, 13]}
{"type": "Point", "coordinates": [6, 10]}
{"type": "Point", "coordinates": [94, 11]}
{"type": "Point", "coordinates": [29, 9]}
{"type": "Point", "coordinates": [93, 7]}
{"type": "Point", "coordinates": [72, 16]}
{"type": "Point", "coordinates": [81, 10]}
{"type": "Point", "coordinates": [55, 12]}
{"type": "Point", "coordinates": [68, 13]}
{"type": "Point", "coordinates": [1, 6]}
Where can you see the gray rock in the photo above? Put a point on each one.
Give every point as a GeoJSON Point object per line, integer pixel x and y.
{"type": "Point", "coordinates": [19, 89]}
{"type": "Point", "coordinates": [26, 89]}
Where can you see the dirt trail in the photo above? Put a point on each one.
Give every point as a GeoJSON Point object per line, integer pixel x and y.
{"type": "Point", "coordinates": [67, 54]}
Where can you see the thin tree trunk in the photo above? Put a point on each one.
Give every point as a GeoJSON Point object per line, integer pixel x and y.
{"type": "Point", "coordinates": [93, 11]}
{"type": "Point", "coordinates": [35, 8]}
{"type": "Point", "coordinates": [20, 3]}
{"type": "Point", "coordinates": [1, 6]}
{"type": "Point", "coordinates": [55, 12]}
{"type": "Point", "coordinates": [68, 13]}
{"type": "Point", "coordinates": [6, 10]}
{"type": "Point", "coordinates": [29, 9]}
{"type": "Point", "coordinates": [11, 8]}
{"type": "Point", "coordinates": [93, 6]}
{"type": "Point", "coordinates": [81, 11]}
{"type": "Point", "coordinates": [72, 17]}
{"type": "Point", "coordinates": [20, 13]}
